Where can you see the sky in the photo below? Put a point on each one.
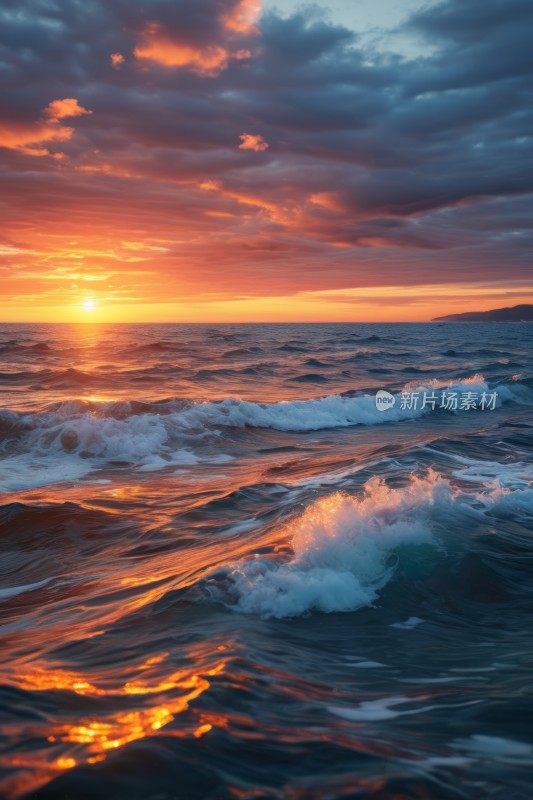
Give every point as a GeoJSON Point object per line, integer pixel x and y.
{"type": "Point", "coordinates": [239, 160]}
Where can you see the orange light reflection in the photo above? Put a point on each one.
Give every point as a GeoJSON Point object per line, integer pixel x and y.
{"type": "Point", "coordinates": [93, 737]}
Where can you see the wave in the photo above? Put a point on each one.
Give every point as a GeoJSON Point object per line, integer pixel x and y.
{"type": "Point", "coordinates": [91, 421]}
{"type": "Point", "coordinates": [242, 351]}
{"type": "Point", "coordinates": [15, 348]}
{"type": "Point", "coordinates": [159, 435]}
{"type": "Point", "coordinates": [68, 378]}
{"type": "Point", "coordinates": [314, 362]}
{"type": "Point", "coordinates": [310, 377]}
{"type": "Point", "coordinates": [156, 347]}
{"type": "Point", "coordinates": [14, 591]}
{"type": "Point", "coordinates": [57, 448]}
{"type": "Point", "coordinates": [373, 338]}
{"type": "Point", "coordinates": [344, 549]}
{"type": "Point", "coordinates": [332, 411]}
{"type": "Point", "coordinates": [231, 372]}
{"type": "Point", "coordinates": [290, 347]}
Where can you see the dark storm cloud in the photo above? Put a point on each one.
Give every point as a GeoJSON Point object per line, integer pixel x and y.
{"type": "Point", "coordinates": [479, 42]}
{"type": "Point", "coordinates": [367, 151]}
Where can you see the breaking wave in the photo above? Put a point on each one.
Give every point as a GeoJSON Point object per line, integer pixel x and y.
{"type": "Point", "coordinates": [157, 435]}
{"type": "Point", "coordinates": [345, 549]}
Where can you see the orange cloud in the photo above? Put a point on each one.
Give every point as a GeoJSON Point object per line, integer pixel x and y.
{"type": "Point", "coordinates": [117, 59]}
{"type": "Point", "coordinates": [210, 186]}
{"type": "Point", "coordinates": [29, 138]}
{"type": "Point", "coordinates": [243, 17]}
{"type": "Point", "coordinates": [208, 60]}
{"type": "Point", "coordinates": [255, 142]}
{"type": "Point", "coordinates": [68, 107]}
{"type": "Point", "coordinates": [156, 46]}
{"type": "Point", "coordinates": [278, 213]}
{"type": "Point", "coordinates": [327, 200]}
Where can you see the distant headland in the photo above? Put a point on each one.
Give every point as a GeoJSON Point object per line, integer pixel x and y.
{"type": "Point", "coordinates": [522, 313]}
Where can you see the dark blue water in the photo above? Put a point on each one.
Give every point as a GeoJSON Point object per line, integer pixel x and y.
{"type": "Point", "coordinates": [225, 573]}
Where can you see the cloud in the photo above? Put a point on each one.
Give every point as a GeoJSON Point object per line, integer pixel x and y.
{"type": "Point", "coordinates": [327, 200]}
{"type": "Point", "coordinates": [155, 46]}
{"type": "Point", "coordinates": [243, 16]}
{"type": "Point", "coordinates": [68, 107]}
{"type": "Point", "coordinates": [385, 168]}
{"type": "Point", "coordinates": [275, 211]}
{"type": "Point", "coordinates": [253, 142]}
{"type": "Point", "coordinates": [29, 138]}
{"type": "Point", "coordinates": [117, 60]}
{"type": "Point", "coordinates": [205, 42]}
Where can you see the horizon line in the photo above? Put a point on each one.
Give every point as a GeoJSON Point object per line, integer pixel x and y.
{"type": "Point", "coordinates": [260, 322]}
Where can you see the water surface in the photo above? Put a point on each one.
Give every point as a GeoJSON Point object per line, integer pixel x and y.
{"type": "Point", "coordinates": [226, 574]}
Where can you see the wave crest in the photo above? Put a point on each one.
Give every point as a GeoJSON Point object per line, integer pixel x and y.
{"type": "Point", "coordinates": [158, 434]}
{"type": "Point", "coordinates": [345, 549]}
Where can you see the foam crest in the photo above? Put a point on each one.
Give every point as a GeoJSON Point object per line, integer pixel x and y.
{"type": "Point", "coordinates": [156, 435]}
{"type": "Point", "coordinates": [345, 549]}
{"type": "Point", "coordinates": [333, 411]}
{"type": "Point", "coordinates": [51, 448]}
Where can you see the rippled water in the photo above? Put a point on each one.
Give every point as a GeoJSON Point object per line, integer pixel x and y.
{"type": "Point", "coordinates": [226, 574]}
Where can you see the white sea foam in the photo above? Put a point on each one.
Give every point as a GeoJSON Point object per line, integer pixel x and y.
{"type": "Point", "coordinates": [506, 502]}
{"type": "Point", "coordinates": [344, 551]}
{"type": "Point", "coordinates": [333, 411]}
{"type": "Point", "coordinates": [371, 710]}
{"type": "Point", "coordinates": [66, 446]}
{"type": "Point", "coordinates": [496, 747]}
{"type": "Point", "coordinates": [408, 624]}
{"type": "Point", "coordinates": [508, 488]}
{"type": "Point", "coordinates": [494, 474]}
{"type": "Point", "coordinates": [36, 445]}
{"type": "Point", "coordinates": [27, 471]}
{"type": "Point", "coordinates": [13, 591]}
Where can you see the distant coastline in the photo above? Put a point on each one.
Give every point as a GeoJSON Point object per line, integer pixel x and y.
{"type": "Point", "coordinates": [520, 313]}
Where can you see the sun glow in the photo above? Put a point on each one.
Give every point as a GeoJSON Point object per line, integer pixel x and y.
{"type": "Point", "coordinates": [89, 304]}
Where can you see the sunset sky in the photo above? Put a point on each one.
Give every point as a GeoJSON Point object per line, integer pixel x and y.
{"type": "Point", "coordinates": [232, 160]}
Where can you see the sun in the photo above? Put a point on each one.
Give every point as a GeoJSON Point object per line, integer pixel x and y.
{"type": "Point", "coordinates": [89, 305]}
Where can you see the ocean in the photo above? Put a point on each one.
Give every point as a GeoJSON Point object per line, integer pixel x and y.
{"type": "Point", "coordinates": [226, 573]}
